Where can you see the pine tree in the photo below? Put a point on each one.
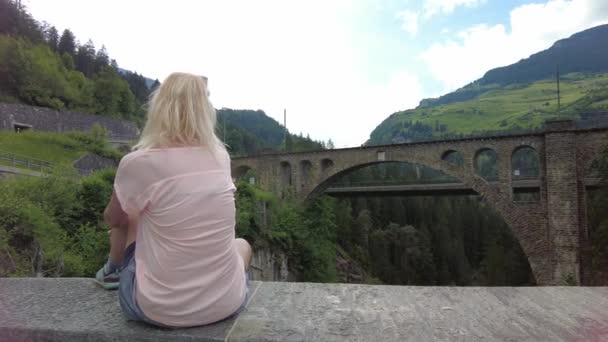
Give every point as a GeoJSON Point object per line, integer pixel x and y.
{"type": "Point", "coordinates": [155, 85]}
{"type": "Point", "coordinates": [85, 59]}
{"type": "Point", "coordinates": [52, 38]}
{"type": "Point", "coordinates": [102, 59]}
{"type": "Point", "coordinates": [67, 43]}
{"type": "Point", "coordinates": [9, 15]}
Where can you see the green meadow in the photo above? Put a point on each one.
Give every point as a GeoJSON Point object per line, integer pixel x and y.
{"type": "Point", "coordinates": [509, 107]}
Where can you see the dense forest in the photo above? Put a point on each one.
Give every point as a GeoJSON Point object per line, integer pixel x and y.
{"type": "Point", "coordinates": [41, 67]}
{"type": "Point", "coordinates": [438, 240]}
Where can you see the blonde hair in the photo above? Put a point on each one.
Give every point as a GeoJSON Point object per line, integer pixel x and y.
{"type": "Point", "coordinates": [180, 114]}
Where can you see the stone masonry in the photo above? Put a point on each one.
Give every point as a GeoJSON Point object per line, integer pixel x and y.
{"type": "Point", "coordinates": [49, 120]}
{"type": "Point", "coordinates": [550, 230]}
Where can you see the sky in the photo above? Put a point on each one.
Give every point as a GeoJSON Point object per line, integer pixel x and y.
{"type": "Point", "coordinates": [339, 68]}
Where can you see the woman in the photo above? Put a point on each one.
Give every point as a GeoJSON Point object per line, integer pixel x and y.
{"type": "Point", "coordinates": [173, 207]}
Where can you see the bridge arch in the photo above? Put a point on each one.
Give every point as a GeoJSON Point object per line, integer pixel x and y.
{"type": "Point", "coordinates": [305, 172]}
{"type": "Point", "coordinates": [516, 218]}
{"type": "Point", "coordinates": [453, 156]}
{"type": "Point", "coordinates": [286, 175]}
{"type": "Point", "coordinates": [326, 164]}
{"type": "Point", "coordinates": [485, 163]}
{"type": "Point", "coordinates": [525, 162]}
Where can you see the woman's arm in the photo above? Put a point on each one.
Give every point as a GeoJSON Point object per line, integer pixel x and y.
{"type": "Point", "coordinates": [114, 216]}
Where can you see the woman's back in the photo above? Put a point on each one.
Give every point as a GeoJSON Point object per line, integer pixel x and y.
{"type": "Point", "coordinates": [188, 269]}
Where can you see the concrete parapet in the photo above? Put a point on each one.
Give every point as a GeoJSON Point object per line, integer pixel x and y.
{"type": "Point", "coordinates": [76, 309]}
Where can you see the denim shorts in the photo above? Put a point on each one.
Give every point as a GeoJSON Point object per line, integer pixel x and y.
{"type": "Point", "coordinates": [128, 284]}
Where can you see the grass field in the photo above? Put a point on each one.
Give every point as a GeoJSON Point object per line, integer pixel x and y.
{"type": "Point", "coordinates": [52, 147]}
{"type": "Point", "coordinates": [503, 108]}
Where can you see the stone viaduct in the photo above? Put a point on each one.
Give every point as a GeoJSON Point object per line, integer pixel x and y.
{"type": "Point", "coordinates": [550, 230]}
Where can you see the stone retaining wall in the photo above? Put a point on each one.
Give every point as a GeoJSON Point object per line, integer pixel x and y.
{"type": "Point", "coordinates": [49, 120]}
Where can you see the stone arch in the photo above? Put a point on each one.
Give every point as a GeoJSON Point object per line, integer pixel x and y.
{"type": "Point", "coordinates": [450, 170]}
{"type": "Point", "coordinates": [453, 156]}
{"type": "Point", "coordinates": [326, 165]}
{"type": "Point", "coordinates": [515, 217]}
{"type": "Point", "coordinates": [485, 164]}
{"type": "Point", "coordinates": [305, 172]}
{"type": "Point", "coordinates": [525, 166]}
{"type": "Point", "coordinates": [522, 155]}
{"type": "Point", "coordinates": [286, 175]}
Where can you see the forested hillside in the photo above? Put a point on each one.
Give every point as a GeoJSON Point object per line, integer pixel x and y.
{"type": "Point", "coordinates": [39, 66]}
{"type": "Point", "coordinates": [250, 132]}
{"type": "Point", "coordinates": [514, 98]}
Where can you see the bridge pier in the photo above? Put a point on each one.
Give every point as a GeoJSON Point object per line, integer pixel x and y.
{"type": "Point", "coordinates": [563, 205]}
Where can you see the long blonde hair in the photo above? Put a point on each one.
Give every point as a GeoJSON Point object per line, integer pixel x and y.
{"type": "Point", "coordinates": [180, 114]}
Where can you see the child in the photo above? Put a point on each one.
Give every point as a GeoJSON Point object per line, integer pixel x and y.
{"type": "Point", "coordinates": [173, 209]}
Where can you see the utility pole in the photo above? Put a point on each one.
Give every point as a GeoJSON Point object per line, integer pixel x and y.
{"type": "Point", "coordinates": [224, 126]}
{"type": "Point", "coordinates": [558, 95]}
{"type": "Point", "coordinates": [285, 127]}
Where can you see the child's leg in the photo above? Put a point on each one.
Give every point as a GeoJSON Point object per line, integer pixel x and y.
{"type": "Point", "coordinates": [244, 249]}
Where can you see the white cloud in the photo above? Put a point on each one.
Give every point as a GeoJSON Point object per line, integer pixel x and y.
{"type": "Point", "coordinates": [432, 7]}
{"type": "Point", "coordinates": [534, 27]}
{"type": "Point", "coordinates": [410, 21]}
{"type": "Point", "coordinates": [265, 55]}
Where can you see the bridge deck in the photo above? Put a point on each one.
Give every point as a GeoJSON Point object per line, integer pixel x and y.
{"type": "Point", "coordinates": [455, 188]}
{"type": "Point", "coordinates": [431, 189]}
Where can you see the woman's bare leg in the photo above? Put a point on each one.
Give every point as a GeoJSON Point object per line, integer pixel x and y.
{"type": "Point", "coordinates": [118, 239]}
{"type": "Point", "coordinates": [121, 238]}
{"type": "Point", "coordinates": [244, 249]}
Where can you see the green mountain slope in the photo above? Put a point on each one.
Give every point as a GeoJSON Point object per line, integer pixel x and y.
{"type": "Point", "coordinates": [249, 132]}
{"type": "Point", "coordinates": [513, 98]}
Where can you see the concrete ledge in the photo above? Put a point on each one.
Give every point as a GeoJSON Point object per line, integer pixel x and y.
{"type": "Point", "coordinates": [39, 309]}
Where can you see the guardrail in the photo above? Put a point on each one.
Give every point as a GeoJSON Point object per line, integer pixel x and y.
{"type": "Point", "coordinates": [22, 161]}
{"type": "Point", "coordinates": [19, 160]}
